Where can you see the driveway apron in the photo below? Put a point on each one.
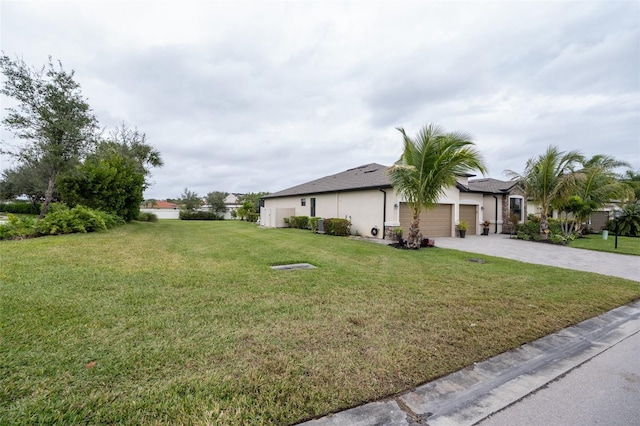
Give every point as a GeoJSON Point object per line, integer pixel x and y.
{"type": "Point", "coordinates": [613, 264]}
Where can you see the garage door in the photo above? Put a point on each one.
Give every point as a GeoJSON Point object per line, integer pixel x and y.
{"type": "Point", "coordinates": [435, 222]}
{"type": "Point", "coordinates": [598, 220]}
{"type": "Point", "coordinates": [468, 213]}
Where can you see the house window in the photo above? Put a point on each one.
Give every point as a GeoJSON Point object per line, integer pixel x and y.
{"type": "Point", "coordinates": [515, 207]}
{"type": "Point", "coordinates": [303, 202]}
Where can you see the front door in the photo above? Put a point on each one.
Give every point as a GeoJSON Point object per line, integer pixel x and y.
{"type": "Point", "coordinates": [313, 207]}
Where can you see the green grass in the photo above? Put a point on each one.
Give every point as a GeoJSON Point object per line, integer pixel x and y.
{"type": "Point", "coordinates": [187, 324]}
{"type": "Point", "coordinates": [626, 245]}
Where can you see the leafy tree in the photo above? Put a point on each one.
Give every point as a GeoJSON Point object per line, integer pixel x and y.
{"type": "Point", "coordinates": [549, 180]}
{"type": "Point", "coordinates": [109, 182]}
{"type": "Point", "coordinates": [132, 144]}
{"type": "Point", "coordinates": [254, 199]}
{"type": "Point", "coordinates": [429, 164]}
{"type": "Point", "coordinates": [25, 179]}
{"type": "Point", "coordinates": [190, 201]}
{"type": "Point", "coordinates": [52, 117]}
{"type": "Point", "coordinates": [244, 210]}
{"type": "Point", "coordinates": [216, 203]}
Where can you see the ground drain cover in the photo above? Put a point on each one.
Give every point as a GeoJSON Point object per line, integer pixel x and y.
{"type": "Point", "coordinates": [294, 266]}
{"type": "Point", "coordinates": [471, 259]}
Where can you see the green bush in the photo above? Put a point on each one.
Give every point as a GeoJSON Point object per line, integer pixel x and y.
{"type": "Point", "coordinates": [59, 220]}
{"type": "Point", "coordinates": [338, 227]}
{"type": "Point", "coordinates": [252, 216]}
{"type": "Point", "coordinates": [313, 223]}
{"type": "Point", "coordinates": [147, 217]}
{"type": "Point", "coordinates": [20, 208]}
{"type": "Point", "coordinates": [18, 227]}
{"type": "Point", "coordinates": [630, 220]}
{"type": "Point", "coordinates": [299, 222]}
{"type": "Point", "coordinates": [62, 220]}
{"type": "Point", "coordinates": [197, 215]}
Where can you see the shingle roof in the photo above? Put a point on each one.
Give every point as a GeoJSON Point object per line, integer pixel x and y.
{"type": "Point", "coordinates": [490, 185]}
{"type": "Point", "coordinates": [367, 176]}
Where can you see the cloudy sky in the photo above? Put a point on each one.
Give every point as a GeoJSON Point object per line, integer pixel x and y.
{"type": "Point", "coordinates": [259, 96]}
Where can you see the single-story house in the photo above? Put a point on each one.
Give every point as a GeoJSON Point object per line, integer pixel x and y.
{"type": "Point", "coordinates": [232, 203]}
{"type": "Point", "coordinates": [365, 196]}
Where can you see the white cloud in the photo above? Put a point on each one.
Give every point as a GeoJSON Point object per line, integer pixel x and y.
{"type": "Point", "coordinates": [252, 96]}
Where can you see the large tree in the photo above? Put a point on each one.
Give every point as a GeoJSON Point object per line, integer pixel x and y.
{"type": "Point", "coordinates": [548, 179]}
{"type": "Point", "coordinates": [216, 203]}
{"type": "Point", "coordinates": [430, 162]}
{"type": "Point", "coordinates": [109, 181]}
{"type": "Point", "coordinates": [51, 117]}
{"type": "Point", "coordinates": [190, 200]}
{"type": "Point", "coordinates": [132, 144]}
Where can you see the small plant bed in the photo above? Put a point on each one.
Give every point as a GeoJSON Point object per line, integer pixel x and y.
{"type": "Point", "coordinates": [402, 244]}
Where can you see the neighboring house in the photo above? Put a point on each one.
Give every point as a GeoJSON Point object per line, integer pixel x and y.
{"type": "Point", "coordinates": [365, 196]}
{"type": "Point", "coordinates": [231, 201]}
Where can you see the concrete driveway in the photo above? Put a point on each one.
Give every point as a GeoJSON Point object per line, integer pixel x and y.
{"type": "Point", "coordinates": [616, 265]}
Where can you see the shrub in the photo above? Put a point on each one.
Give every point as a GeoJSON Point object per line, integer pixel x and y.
{"type": "Point", "coordinates": [313, 223]}
{"type": "Point", "coordinates": [59, 220]}
{"type": "Point", "coordinates": [20, 208]}
{"type": "Point", "coordinates": [338, 227]}
{"type": "Point", "coordinates": [286, 221]}
{"type": "Point", "coordinates": [197, 215]}
{"type": "Point", "coordinates": [299, 222]}
{"type": "Point", "coordinates": [62, 220]}
{"type": "Point", "coordinates": [252, 216]}
{"type": "Point", "coordinates": [18, 227]}
{"type": "Point", "coordinates": [147, 217]}
{"type": "Point", "coordinates": [630, 220]}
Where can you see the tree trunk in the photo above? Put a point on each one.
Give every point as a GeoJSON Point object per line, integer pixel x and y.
{"type": "Point", "coordinates": [544, 224]}
{"type": "Point", "coordinates": [415, 236]}
{"type": "Point", "coordinates": [48, 196]}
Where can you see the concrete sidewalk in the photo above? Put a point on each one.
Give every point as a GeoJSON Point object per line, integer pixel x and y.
{"type": "Point", "coordinates": [471, 395]}
{"type": "Point", "coordinates": [612, 264]}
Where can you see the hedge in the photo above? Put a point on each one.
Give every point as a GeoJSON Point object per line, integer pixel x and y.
{"type": "Point", "coordinates": [199, 215]}
{"type": "Point", "coordinates": [299, 222]}
{"type": "Point", "coordinates": [338, 227]}
{"type": "Point", "coordinates": [20, 208]}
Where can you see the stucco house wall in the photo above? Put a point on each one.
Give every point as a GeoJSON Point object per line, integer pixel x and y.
{"type": "Point", "coordinates": [364, 196]}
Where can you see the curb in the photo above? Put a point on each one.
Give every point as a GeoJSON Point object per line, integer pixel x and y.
{"type": "Point", "coordinates": [474, 393]}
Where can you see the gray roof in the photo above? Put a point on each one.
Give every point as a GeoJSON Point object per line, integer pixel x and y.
{"type": "Point", "coordinates": [368, 176]}
{"type": "Point", "coordinates": [491, 186]}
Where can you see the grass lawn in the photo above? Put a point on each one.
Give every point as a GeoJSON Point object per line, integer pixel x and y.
{"type": "Point", "coordinates": [185, 323]}
{"type": "Point", "coordinates": [626, 245]}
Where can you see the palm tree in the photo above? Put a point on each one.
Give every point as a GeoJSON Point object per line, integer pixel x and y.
{"type": "Point", "coordinates": [549, 179]}
{"type": "Point", "coordinates": [597, 184]}
{"type": "Point", "coordinates": [631, 178]}
{"type": "Point", "coordinates": [428, 165]}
